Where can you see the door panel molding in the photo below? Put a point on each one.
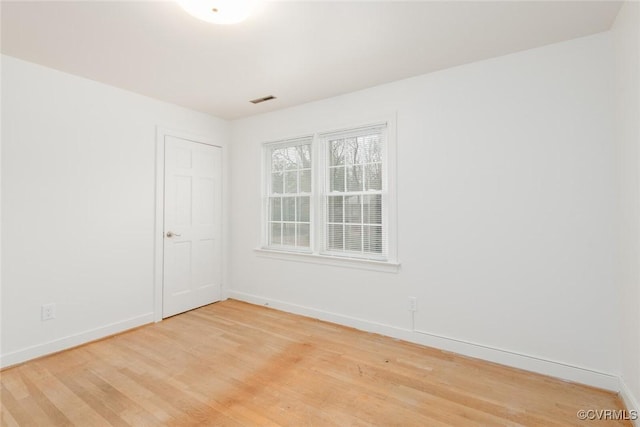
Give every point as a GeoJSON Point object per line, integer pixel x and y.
{"type": "Point", "coordinates": [161, 134]}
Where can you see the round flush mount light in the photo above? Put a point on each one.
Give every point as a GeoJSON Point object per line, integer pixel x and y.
{"type": "Point", "coordinates": [219, 11]}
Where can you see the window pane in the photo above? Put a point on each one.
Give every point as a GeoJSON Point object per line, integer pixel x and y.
{"type": "Point", "coordinates": [354, 178]}
{"type": "Point", "coordinates": [353, 237]}
{"type": "Point", "coordinates": [304, 153]}
{"type": "Point", "coordinates": [360, 154]}
{"type": "Point", "coordinates": [303, 208]}
{"type": "Point", "coordinates": [276, 208]}
{"type": "Point", "coordinates": [373, 239]}
{"type": "Point", "coordinates": [275, 233]}
{"type": "Point", "coordinates": [277, 159]}
{"type": "Point", "coordinates": [372, 209]}
{"type": "Point", "coordinates": [351, 150]}
{"type": "Point", "coordinates": [336, 179]}
{"type": "Point", "coordinates": [335, 237]}
{"type": "Point", "coordinates": [305, 181]}
{"type": "Point", "coordinates": [334, 213]}
{"type": "Point", "coordinates": [277, 183]}
{"type": "Point", "coordinates": [289, 209]}
{"type": "Point", "coordinates": [291, 182]}
{"type": "Point", "coordinates": [352, 209]}
{"type": "Point", "coordinates": [291, 158]}
{"type": "Point", "coordinates": [303, 235]}
{"type": "Point", "coordinates": [374, 176]}
{"type": "Point", "coordinates": [288, 234]}
{"type": "Point", "coordinates": [371, 149]}
{"type": "Point", "coordinates": [336, 152]}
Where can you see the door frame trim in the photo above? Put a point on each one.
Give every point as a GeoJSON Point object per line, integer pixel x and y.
{"type": "Point", "coordinates": [158, 264]}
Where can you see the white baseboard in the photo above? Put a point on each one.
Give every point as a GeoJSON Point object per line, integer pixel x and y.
{"type": "Point", "coordinates": [523, 361]}
{"type": "Point", "coordinates": [630, 401]}
{"type": "Point", "coordinates": [74, 340]}
{"type": "Point", "coordinates": [517, 360]}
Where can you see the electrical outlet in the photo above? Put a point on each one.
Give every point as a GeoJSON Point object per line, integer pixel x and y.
{"type": "Point", "coordinates": [48, 311]}
{"type": "Point", "coordinates": [413, 304]}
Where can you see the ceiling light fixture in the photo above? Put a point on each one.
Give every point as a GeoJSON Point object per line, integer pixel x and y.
{"type": "Point", "coordinates": [219, 11]}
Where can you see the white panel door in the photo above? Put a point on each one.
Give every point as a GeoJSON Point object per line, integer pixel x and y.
{"type": "Point", "coordinates": [192, 225]}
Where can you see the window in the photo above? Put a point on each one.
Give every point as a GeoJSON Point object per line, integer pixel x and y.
{"type": "Point", "coordinates": [289, 195]}
{"type": "Point", "coordinates": [353, 194]}
{"type": "Point", "coordinates": [328, 195]}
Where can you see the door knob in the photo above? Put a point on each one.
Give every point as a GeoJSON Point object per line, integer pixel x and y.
{"type": "Point", "coordinates": [172, 234]}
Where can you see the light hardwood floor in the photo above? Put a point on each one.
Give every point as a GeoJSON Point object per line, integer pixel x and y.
{"type": "Point", "coordinates": [233, 363]}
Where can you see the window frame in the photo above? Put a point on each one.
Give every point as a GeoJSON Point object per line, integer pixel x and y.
{"type": "Point", "coordinates": [267, 194]}
{"type": "Point", "coordinates": [325, 191]}
{"type": "Point", "coordinates": [317, 252]}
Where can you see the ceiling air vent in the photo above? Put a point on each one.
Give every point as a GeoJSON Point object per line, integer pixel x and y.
{"type": "Point", "coordinates": [263, 99]}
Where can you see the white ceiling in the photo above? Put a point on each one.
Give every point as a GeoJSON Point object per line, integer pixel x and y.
{"type": "Point", "coordinates": [297, 51]}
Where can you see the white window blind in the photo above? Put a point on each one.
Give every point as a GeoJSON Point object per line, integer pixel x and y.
{"type": "Point", "coordinates": [289, 190]}
{"type": "Point", "coordinates": [354, 196]}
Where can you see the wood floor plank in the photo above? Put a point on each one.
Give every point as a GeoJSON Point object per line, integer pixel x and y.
{"type": "Point", "coordinates": [14, 410]}
{"type": "Point", "coordinates": [71, 405]}
{"type": "Point", "coordinates": [236, 364]}
{"type": "Point", "coordinates": [54, 414]}
{"type": "Point", "coordinates": [6, 419]}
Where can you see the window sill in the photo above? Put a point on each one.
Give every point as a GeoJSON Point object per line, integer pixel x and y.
{"type": "Point", "coordinates": [362, 264]}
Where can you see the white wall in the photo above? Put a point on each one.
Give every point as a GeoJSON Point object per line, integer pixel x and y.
{"type": "Point", "coordinates": [506, 213]}
{"type": "Point", "coordinates": [78, 177]}
{"type": "Point", "coordinates": [626, 33]}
